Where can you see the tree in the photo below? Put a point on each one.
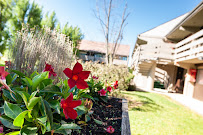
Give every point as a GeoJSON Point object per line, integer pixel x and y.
{"type": "Point", "coordinates": [75, 35]}
{"type": "Point", "coordinates": [112, 26]}
{"type": "Point", "coordinates": [35, 16]}
{"type": "Point", "coordinates": [25, 13]}
{"type": "Point", "coordinates": [49, 21]}
{"type": "Point", "coordinates": [5, 14]}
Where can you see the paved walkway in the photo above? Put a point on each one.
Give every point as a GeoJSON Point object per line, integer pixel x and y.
{"type": "Point", "coordinates": [193, 104]}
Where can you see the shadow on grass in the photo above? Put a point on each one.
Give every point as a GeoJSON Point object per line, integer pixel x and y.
{"type": "Point", "coordinates": [145, 103]}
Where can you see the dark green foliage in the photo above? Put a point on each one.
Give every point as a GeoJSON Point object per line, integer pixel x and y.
{"type": "Point", "coordinates": [5, 15]}
{"type": "Point", "coordinates": [75, 35]}
{"type": "Point", "coordinates": [25, 13]}
{"type": "Point", "coordinates": [49, 21]}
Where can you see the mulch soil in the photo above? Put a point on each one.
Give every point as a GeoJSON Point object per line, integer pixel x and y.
{"type": "Point", "coordinates": [111, 115]}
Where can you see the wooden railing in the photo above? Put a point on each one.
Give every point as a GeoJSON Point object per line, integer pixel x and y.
{"type": "Point", "coordinates": [135, 58]}
{"type": "Point", "coordinates": [190, 48]}
{"type": "Point", "coordinates": [163, 51]}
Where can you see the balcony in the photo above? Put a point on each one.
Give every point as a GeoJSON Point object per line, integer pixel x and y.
{"type": "Point", "coordinates": [190, 49]}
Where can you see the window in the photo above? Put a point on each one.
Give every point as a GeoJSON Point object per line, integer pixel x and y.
{"type": "Point", "coordinates": [98, 55]}
{"type": "Point", "coordinates": [122, 58]}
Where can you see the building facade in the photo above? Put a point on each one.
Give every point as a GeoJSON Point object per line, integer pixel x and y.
{"type": "Point", "coordinates": [95, 51]}
{"type": "Point", "coordinates": [188, 37]}
{"type": "Point", "coordinates": [171, 56]}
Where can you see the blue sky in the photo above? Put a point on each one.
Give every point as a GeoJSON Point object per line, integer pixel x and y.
{"type": "Point", "coordinates": [145, 15]}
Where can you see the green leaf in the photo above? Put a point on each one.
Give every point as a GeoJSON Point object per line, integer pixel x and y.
{"type": "Point", "coordinates": [25, 96]}
{"type": "Point", "coordinates": [7, 94]}
{"type": "Point", "coordinates": [19, 73]}
{"type": "Point", "coordinates": [104, 98]}
{"type": "Point", "coordinates": [8, 79]}
{"type": "Point", "coordinates": [39, 78]}
{"type": "Point", "coordinates": [42, 119]}
{"type": "Point", "coordinates": [28, 81]}
{"type": "Point", "coordinates": [1, 110]}
{"type": "Point", "coordinates": [15, 76]}
{"type": "Point", "coordinates": [63, 131]}
{"type": "Point", "coordinates": [43, 127]}
{"type": "Point", "coordinates": [84, 95]}
{"type": "Point", "coordinates": [98, 122]}
{"type": "Point", "coordinates": [48, 113]}
{"type": "Point", "coordinates": [48, 91]}
{"type": "Point", "coordinates": [71, 90]}
{"type": "Point", "coordinates": [8, 122]}
{"type": "Point", "coordinates": [87, 118]}
{"type": "Point", "coordinates": [56, 126]}
{"type": "Point", "coordinates": [33, 101]}
{"type": "Point", "coordinates": [81, 110]}
{"type": "Point", "coordinates": [45, 83]}
{"type": "Point", "coordinates": [28, 130]}
{"type": "Point", "coordinates": [55, 105]}
{"type": "Point", "coordinates": [69, 126]}
{"type": "Point", "coordinates": [33, 94]}
{"type": "Point", "coordinates": [33, 74]}
{"type": "Point", "coordinates": [19, 120]}
{"type": "Point", "coordinates": [52, 88]}
{"type": "Point", "coordinates": [14, 133]}
{"type": "Point", "coordinates": [11, 110]}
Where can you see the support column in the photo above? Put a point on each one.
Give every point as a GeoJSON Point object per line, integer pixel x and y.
{"type": "Point", "coordinates": [151, 75]}
{"type": "Point", "coordinates": [189, 86]}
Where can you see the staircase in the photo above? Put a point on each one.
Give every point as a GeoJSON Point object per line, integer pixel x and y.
{"type": "Point", "coordinates": [144, 67]}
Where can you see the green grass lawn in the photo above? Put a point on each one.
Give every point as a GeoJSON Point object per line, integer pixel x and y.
{"type": "Point", "coordinates": [154, 114]}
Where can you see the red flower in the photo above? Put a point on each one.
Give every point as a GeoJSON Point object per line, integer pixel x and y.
{"type": "Point", "coordinates": [50, 69]}
{"type": "Point", "coordinates": [1, 130]}
{"type": "Point", "coordinates": [102, 92]}
{"type": "Point", "coordinates": [68, 106]}
{"type": "Point", "coordinates": [109, 88]}
{"type": "Point", "coordinates": [77, 76]}
{"type": "Point", "coordinates": [3, 75]}
{"type": "Point", "coordinates": [115, 84]}
{"type": "Point", "coordinates": [110, 129]}
{"type": "Point", "coordinates": [94, 77]}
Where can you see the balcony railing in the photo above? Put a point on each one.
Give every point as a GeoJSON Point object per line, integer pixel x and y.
{"type": "Point", "coordinates": [190, 48]}
{"type": "Point", "coordinates": [163, 51]}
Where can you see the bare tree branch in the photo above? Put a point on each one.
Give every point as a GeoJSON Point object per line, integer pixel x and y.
{"type": "Point", "coordinates": [119, 37]}
{"type": "Point", "coordinates": [108, 28]}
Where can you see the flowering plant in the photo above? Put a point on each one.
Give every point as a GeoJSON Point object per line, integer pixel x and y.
{"type": "Point", "coordinates": [33, 104]}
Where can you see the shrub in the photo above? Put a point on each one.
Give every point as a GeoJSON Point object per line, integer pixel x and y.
{"type": "Point", "coordinates": [110, 73]}
{"type": "Point", "coordinates": [34, 47]}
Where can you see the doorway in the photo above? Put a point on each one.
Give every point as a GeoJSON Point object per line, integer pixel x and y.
{"type": "Point", "coordinates": [179, 85]}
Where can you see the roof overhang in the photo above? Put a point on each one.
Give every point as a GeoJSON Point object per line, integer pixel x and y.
{"type": "Point", "coordinates": [141, 41]}
{"type": "Point", "coordinates": [192, 23]}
